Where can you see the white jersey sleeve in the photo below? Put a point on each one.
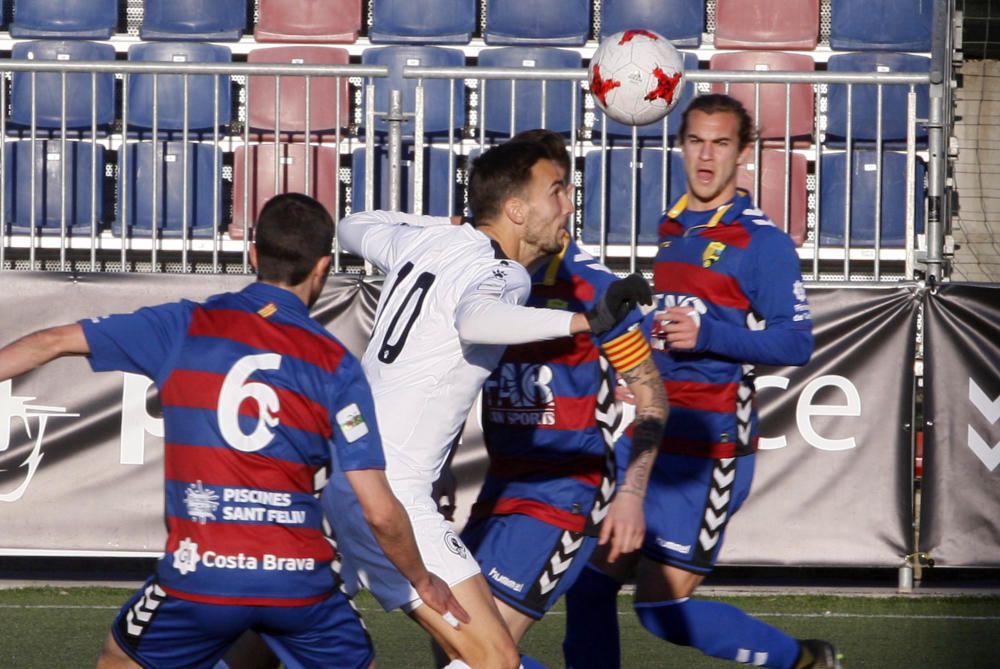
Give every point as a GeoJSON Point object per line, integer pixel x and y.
{"type": "Point", "coordinates": [490, 312]}
{"type": "Point", "coordinates": [378, 236]}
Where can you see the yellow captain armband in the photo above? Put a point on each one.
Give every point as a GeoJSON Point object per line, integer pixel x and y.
{"type": "Point", "coordinates": [626, 351]}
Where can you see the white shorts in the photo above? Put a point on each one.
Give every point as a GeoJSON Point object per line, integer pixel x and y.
{"type": "Point", "coordinates": [364, 565]}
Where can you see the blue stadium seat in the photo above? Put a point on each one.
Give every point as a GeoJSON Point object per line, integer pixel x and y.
{"type": "Point", "coordinates": [864, 185]}
{"type": "Point", "coordinates": [422, 21]}
{"type": "Point", "coordinates": [652, 132]}
{"type": "Point", "coordinates": [283, 164]}
{"type": "Point", "coordinates": [864, 122]}
{"type": "Point", "coordinates": [215, 20]}
{"type": "Point", "coordinates": [553, 22]}
{"type": "Point", "coordinates": [435, 183]}
{"type": "Point", "coordinates": [202, 116]}
{"type": "Point", "coordinates": [753, 24]}
{"type": "Point", "coordinates": [140, 170]}
{"type": "Point", "coordinates": [558, 111]}
{"type": "Point", "coordinates": [436, 91]}
{"type": "Point", "coordinates": [680, 21]}
{"type": "Point", "coordinates": [308, 21]}
{"type": "Point", "coordinates": [615, 199]}
{"type": "Point", "coordinates": [886, 25]}
{"type": "Point", "coordinates": [77, 19]}
{"type": "Point", "coordinates": [82, 98]}
{"type": "Point", "coordinates": [84, 179]}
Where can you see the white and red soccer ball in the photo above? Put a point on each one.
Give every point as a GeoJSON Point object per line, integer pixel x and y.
{"type": "Point", "coordinates": [636, 76]}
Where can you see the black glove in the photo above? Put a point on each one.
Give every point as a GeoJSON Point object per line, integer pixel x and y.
{"type": "Point", "coordinates": [620, 298]}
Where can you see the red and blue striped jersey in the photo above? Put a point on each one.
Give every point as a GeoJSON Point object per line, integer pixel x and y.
{"type": "Point", "coordinates": [549, 409]}
{"type": "Point", "coordinates": [740, 275]}
{"type": "Point", "coordinates": [257, 397]}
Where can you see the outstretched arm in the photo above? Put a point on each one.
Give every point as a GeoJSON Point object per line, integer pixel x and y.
{"type": "Point", "coordinates": [391, 527]}
{"type": "Point", "coordinates": [625, 525]}
{"type": "Point", "coordinates": [36, 349]}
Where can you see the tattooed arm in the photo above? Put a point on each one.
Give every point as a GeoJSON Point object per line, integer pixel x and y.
{"type": "Point", "coordinates": [625, 524]}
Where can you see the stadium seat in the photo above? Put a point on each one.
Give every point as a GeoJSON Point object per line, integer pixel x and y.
{"type": "Point", "coordinates": [201, 89]}
{"type": "Point", "coordinates": [613, 199]}
{"type": "Point", "coordinates": [422, 21]}
{"type": "Point", "coordinates": [652, 132]}
{"type": "Point", "coordinates": [864, 188]}
{"type": "Point", "coordinates": [84, 179]}
{"type": "Point", "coordinates": [885, 25]}
{"type": "Point", "coordinates": [766, 24]}
{"type": "Point", "coordinates": [436, 91]}
{"type": "Point", "coordinates": [216, 21]}
{"type": "Point", "coordinates": [553, 22]}
{"type": "Point", "coordinates": [272, 169]}
{"type": "Point", "coordinates": [770, 116]}
{"type": "Point", "coordinates": [83, 99]}
{"type": "Point", "coordinates": [308, 21]}
{"type": "Point", "coordinates": [324, 118]}
{"type": "Point", "coordinates": [437, 176]}
{"type": "Point", "coordinates": [77, 19]}
{"type": "Point", "coordinates": [557, 112]}
{"type": "Point", "coordinates": [773, 182]}
{"type": "Point", "coordinates": [139, 171]}
{"type": "Point", "coordinates": [864, 99]}
{"type": "Point", "coordinates": [680, 21]}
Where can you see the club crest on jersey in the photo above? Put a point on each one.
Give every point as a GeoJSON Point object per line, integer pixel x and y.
{"type": "Point", "coordinates": [351, 422]}
{"type": "Point", "coordinates": [712, 253]}
{"type": "Point", "coordinates": [455, 544]}
{"type": "Point", "coordinates": [267, 310]}
{"type": "Point", "coordinates": [201, 502]}
{"type": "Point", "coordinates": [186, 556]}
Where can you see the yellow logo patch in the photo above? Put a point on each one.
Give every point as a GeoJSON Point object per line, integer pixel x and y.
{"type": "Point", "coordinates": [712, 253]}
{"type": "Point", "coordinates": [268, 310]}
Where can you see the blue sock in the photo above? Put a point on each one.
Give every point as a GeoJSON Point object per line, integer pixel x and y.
{"type": "Point", "coordinates": [528, 662]}
{"type": "Point", "coordinates": [591, 640]}
{"type": "Point", "coordinates": [719, 630]}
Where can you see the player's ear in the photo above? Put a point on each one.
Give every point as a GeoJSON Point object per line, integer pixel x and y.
{"type": "Point", "coordinates": [252, 254]}
{"type": "Point", "coordinates": [514, 209]}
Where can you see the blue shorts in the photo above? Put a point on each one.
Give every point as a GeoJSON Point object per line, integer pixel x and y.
{"type": "Point", "coordinates": [158, 630]}
{"type": "Point", "coordinates": [528, 563]}
{"type": "Point", "coordinates": [689, 503]}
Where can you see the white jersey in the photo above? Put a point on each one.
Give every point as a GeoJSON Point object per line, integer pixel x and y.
{"type": "Point", "coordinates": [449, 305]}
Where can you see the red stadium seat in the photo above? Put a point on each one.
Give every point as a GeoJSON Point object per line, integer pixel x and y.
{"type": "Point", "coordinates": [766, 24]}
{"type": "Point", "coordinates": [773, 184]}
{"type": "Point", "coordinates": [308, 21]}
{"type": "Point", "coordinates": [277, 169]}
{"type": "Point", "coordinates": [324, 114]}
{"type": "Point", "coordinates": [770, 116]}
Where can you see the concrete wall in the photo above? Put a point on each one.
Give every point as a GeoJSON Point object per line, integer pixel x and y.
{"type": "Point", "coordinates": [976, 225]}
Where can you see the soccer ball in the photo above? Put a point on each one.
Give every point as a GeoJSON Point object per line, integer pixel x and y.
{"type": "Point", "coordinates": [636, 76]}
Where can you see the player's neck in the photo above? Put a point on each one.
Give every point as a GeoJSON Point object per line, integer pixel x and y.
{"type": "Point", "coordinates": [507, 240]}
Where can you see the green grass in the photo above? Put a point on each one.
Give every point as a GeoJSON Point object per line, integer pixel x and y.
{"type": "Point", "coordinates": [64, 627]}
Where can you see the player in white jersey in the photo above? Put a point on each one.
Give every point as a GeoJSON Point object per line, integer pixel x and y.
{"type": "Point", "coordinates": [450, 303]}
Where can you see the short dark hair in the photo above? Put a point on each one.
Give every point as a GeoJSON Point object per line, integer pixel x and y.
{"type": "Point", "coordinates": [501, 173]}
{"type": "Point", "coordinates": [711, 103]}
{"type": "Point", "coordinates": [293, 231]}
{"type": "Point", "coordinates": [551, 140]}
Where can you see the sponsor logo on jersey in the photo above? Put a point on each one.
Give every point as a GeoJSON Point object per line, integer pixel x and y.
{"type": "Point", "coordinates": [455, 544]}
{"type": "Point", "coordinates": [521, 394]}
{"type": "Point", "coordinates": [712, 253]}
{"type": "Point", "coordinates": [187, 559]}
{"type": "Point", "coordinates": [506, 581]}
{"type": "Point", "coordinates": [351, 422]}
{"type": "Point", "coordinates": [201, 502]}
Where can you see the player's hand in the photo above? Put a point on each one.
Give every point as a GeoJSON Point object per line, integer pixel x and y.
{"type": "Point", "coordinates": [620, 298]}
{"type": "Point", "coordinates": [443, 493]}
{"type": "Point", "coordinates": [679, 327]}
{"type": "Point", "coordinates": [624, 527]}
{"type": "Point", "coordinates": [625, 394]}
{"type": "Point", "coordinates": [436, 594]}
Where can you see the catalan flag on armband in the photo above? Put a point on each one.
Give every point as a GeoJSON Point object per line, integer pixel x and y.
{"type": "Point", "coordinates": [627, 351]}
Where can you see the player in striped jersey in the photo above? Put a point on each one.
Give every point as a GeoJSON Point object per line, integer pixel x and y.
{"type": "Point", "coordinates": [257, 397]}
{"type": "Point", "coordinates": [452, 300]}
{"type": "Point", "coordinates": [730, 295]}
{"type": "Point", "coordinates": [549, 415]}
